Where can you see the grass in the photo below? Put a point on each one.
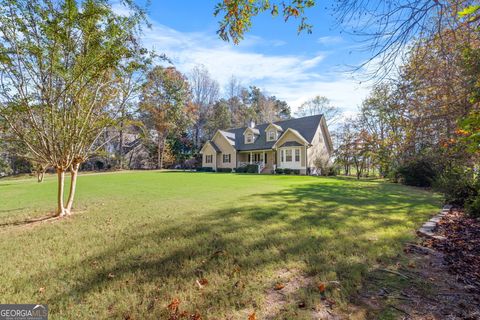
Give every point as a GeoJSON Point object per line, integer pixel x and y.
{"type": "Point", "coordinates": [141, 239]}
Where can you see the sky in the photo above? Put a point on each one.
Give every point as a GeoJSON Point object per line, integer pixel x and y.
{"type": "Point", "coordinates": [272, 56]}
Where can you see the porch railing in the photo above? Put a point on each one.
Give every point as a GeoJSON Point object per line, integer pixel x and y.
{"type": "Point", "coordinates": [260, 165]}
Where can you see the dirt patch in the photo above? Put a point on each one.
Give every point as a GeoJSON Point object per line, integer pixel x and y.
{"type": "Point", "coordinates": [290, 297]}
{"type": "Point", "coordinates": [459, 241]}
{"type": "Point", "coordinates": [439, 279]}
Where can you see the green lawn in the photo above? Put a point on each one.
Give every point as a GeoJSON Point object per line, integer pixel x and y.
{"type": "Point", "coordinates": [141, 239]}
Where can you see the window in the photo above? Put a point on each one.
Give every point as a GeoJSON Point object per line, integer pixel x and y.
{"type": "Point", "coordinates": [271, 135]}
{"type": "Point", "coordinates": [281, 155]}
{"type": "Point", "coordinates": [288, 155]}
{"type": "Point", "coordinates": [208, 158]}
{"type": "Point", "coordinates": [249, 138]}
{"type": "Point", "coordinates": [297, 155]}
{"type": "Point", "coordinates": [226, 158]}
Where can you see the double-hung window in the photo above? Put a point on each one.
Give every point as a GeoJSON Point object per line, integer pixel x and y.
{"type": "Point", "coordinates": [297, 155]}
{"type": "Point", "coordinates": [208, 158]}
{"type": "Point", "coordinates": [271, 135]}
{"type": "Point", "coordinates": [288, 155]}
{"type": "Point", "coordinates": [226, 158]}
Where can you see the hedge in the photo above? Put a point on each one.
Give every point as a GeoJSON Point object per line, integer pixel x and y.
{"type": "Point", "coordinates": [227, 170]}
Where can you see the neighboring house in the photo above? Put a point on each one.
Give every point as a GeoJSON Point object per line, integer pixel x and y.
{"type": "Point", "coordinates": [293, 144]}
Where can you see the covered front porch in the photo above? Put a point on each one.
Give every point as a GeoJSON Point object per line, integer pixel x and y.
{"type": "Point", "coordinates": [265, 159]}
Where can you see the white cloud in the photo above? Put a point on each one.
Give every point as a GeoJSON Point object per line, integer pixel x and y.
{"type": "Point", "coordinates": [293, 78]}
{"type": "Point", "coordinates": [329, 40]}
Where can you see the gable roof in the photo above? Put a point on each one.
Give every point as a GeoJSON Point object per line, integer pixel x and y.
{"type": "Point", "coordinates": [306, 127]}
{"type": "Point", "coordinates": [273, 125]}
{"type": "Point", "coordinates": [214, 146]}
{"type": "Point", "coordinates": [255, 131]}
{"type": "Point", "coordinates": [291, 144]}
{"type": "Point", "coordinates": [230, 137]}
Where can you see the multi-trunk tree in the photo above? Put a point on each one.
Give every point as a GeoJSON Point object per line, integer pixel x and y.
{"type": "Point", "coordinates": [58, 63]}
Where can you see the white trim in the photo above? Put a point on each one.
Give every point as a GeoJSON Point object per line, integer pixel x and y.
{"type": "Point", "coordinates": [246, 136]}
{"type": "Point", "coordinates": [255, 131]}
{"type": "Point", "coordinates": [232, 143]}
{"type": "Point", "coordinates": [293, 164]}
{"type": "Point", "coordinates": [295, 132]}
{"type": "Point", "coordinates": [276, 126]}
{"type": "Point", "coordinates": [205, 144]}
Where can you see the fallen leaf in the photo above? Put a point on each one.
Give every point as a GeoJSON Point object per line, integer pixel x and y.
{"type": "Point", "coordinates": [195, 316]}
{"type": "Point", "coordinates": [302, 304]}
{"type": "Point", "coordinates": [203, 282]}
{"type": "Point", "coordinates": [252, 316]}
{"type": "Point", "coordinates": [111, 275]}
{"type": "Point", "coordinates": [41, 290]}
{"type": "Point", "coordinates": [279, 286]}
{"type": "Point", "coordinates": [321, 287]}
{"type": "Point", "coordinates": [173, 306]}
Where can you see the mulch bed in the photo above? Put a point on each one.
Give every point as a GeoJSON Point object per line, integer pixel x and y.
{"type": "Point", "coordinates": [461, 247]}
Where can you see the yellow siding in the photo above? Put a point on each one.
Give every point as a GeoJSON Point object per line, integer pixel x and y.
{"type": "Point", "coordinates": [319, 149]}
{"type": "Point", "coordinates": [208, 150]}
{"type": "Point", "coordinates": [225, 148]}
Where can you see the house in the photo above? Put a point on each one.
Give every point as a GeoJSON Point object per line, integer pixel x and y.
{"type": "Point", "coordinates": [293, 144]}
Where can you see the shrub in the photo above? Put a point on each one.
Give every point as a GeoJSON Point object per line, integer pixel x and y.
{"type": "Point", "coordinates": [287, 171]}
{"type": "Point", "coordinates": [296, 171]}
{"type": "Point", "coordinates": [460, 188]}
{"type": "Point", "coordinates": [279, 171]}
{"type": "Point", "coordinates": [324, 167]}
{"type": "Point", "coordinates": [418, 173]}
{"type": "Point", "coordinates": [252, 168]}
{"type": "Point", "coordinates": [457, 185]}
{"type": "Point", "coordinates": [472, 207]}
{"type": "Point", "coordinates": [205, 169]}
{"type": "Point", "coordinates": [241, 169]}
{"type": "Point", "coordinates": [331, 171]}
{"type": "Point", "coordinates": [226, 170]}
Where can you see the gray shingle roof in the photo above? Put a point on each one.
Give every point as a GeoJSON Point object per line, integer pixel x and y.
{"type": "Point", "coordinates": [306, 126]}
{"type": "Point", "coordinates": [215, 146]}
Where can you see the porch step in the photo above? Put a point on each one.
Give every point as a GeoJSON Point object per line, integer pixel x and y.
{"type": "Point", "coordinates": [266, 171]}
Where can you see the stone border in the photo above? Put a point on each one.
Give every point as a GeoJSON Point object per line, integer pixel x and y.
{"type": "Point", "coordinates": [427, 230]}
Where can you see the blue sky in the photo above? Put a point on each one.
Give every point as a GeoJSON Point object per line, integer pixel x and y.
{"type": "Point", "coordinates": [272, 56]}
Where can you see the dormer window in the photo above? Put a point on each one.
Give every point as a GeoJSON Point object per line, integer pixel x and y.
{"type": "Point", "coordinates": [249, 138]}
{"type": "Point", "coordinates": [271, 135]}
{"type": "Point", "coordinates": [273, 132]}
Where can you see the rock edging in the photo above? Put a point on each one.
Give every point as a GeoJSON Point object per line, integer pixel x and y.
{"type": "Point", "coordinates": [427, 229]}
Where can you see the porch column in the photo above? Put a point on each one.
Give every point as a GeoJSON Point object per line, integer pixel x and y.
{"type": "Point", "coordinates": [264, 162]}
{"type": "Point", "coordinates": [251, 155]}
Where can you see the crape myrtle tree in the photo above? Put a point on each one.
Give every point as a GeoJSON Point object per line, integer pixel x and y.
{"type": "Point", "coordinates": [58, 61]}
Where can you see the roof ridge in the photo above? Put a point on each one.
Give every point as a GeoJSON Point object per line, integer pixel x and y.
{"type": "Point", "coordinates": [275, 122]}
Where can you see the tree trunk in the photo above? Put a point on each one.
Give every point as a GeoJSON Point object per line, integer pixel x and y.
{"type": "Point", "coordinates": [61, 183]}
{"type": "Point", "coordinates": [73, 184]}
{"type": "Point", "coordinates": [159, 153]}
{"type": "Point", "coordinates": [161, 149]}
{"type": "Point", "coordinates": [120, 147]}
{"type": "Point", "coordinates": [40, 175]}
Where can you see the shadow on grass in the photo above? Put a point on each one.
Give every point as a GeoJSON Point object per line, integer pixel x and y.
{"type": "Point", "coordinates": [33, 221]}
{"type": "Point", "coordinates": [326, 229]}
